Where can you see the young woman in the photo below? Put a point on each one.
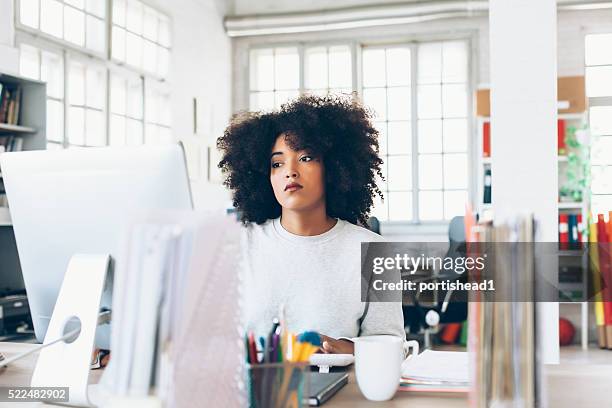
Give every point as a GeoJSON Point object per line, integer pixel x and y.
{"type": "Point", "coordinates": [303, 178]}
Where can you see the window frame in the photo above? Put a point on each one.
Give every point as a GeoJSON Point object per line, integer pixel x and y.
{"type": "Point", "coordinates": [356, 47]}
{"type": "Point", "coordinates": [69, 51]}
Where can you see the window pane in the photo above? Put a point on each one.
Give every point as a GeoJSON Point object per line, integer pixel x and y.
{"type": "Point", "coordinates": [150, 56]}
{"type": "Point", "coordinates": [55, 121]}
{"type": "Point", "coordinates": [134, 133]}
{"type": "Point", "coordinates": [74, 26]}
{"type": "Point", "coordinates": [382, 137]}
{"type": "Point", "coordinates": [76, 126]}
{"type": "Point", "coordinates": [398, 100]}
{"type": "Point", "coordinates": [602, 179]}
{"type": "Point", "coordinates": [455, 135]}
{"type": "Point", "coordinates": [430, 136]}
{"type": "Point", "coordinates": [454, 203]}
{"type": "Point", "coordinates": [28, 13]}
{"type": "Point", "coordinates": [29, 62]}
{"type": "Point", "coordinates": [600, 204]}
{"type": "Point", "coordinates": [599, 81]}
{"type": "Point", "coordinates": [286, 69]}
{"type": "Point", "coordinates": [76, 3]}
{"type": "Point", "coordinates": [454, 99]}
{"type": "Point", "coordinates": [398, 66]}
{"type": "Point", "coordinates": [601, 120]}
{"type": "Point", "coordinates": [340, 71]}
{"type": "Point", "coordinates": [134, 16]}
{"type": "Point", "coordinates": [135, 99]}
{"type": "Point", "coordinates": [95, 34]}
{"type": "Point", "coordinates": [455, 171]}
{"type": "Point", "coordinates": [118, 45]}
{"type": "Point", "coordinates": [282, 97]}
{"type": "Point", "coordinates": [400, 172]}
{"type": "Point", "coordinates": [76, 84]}
{"type": "Point", "coordinates": [262, 70]}
{"type": "Point", "coordinates": [430, 102]}
{"type": "Point", "coordinates": [400, 138]}
{"type": "Point", "coordinates": [52, 72]}
{"type": "Point", "coordinates": [119, 12]}
{"type": "Point", "coordinates": [118, 95]}
{"type": "Point", "coordinates": [400, 206]}
{"type": "Point", "coordinates": [430, 63]}
{"type": "Point", "coordinates": [430, 205]}
{"type": "Point", "coordinates": [150, 25]}
{"type": "Point", "coordinates": [597, 49]}
{"type": "Point", "coordinates": [164, 32]}
{"type": "Point", "coordinates": [163, 61]}
{"type": "Point", "coordinates": [454, 61]}
{"type": "Point", "coordinates": [97, 7]}
{"type": "Point", "coordinates": [430, 171]}
{"type": "Point", "coordinates": [376, 99]}
{"type": "Point", "coordinates": [151, 134]}
{"type": "Point", "coordinates": [52, 17]}
{"type": "Point", "coordinates": [117, 130]}
{"type": "Point", "coordinates": [96, 86]}
{"type": "Point", "coordinates": [261, 101]}
{"type": "Point", "coordinates": [54, 146]}
{"type": "Point", "coordinates": [379, 210]}
{"type": "Point", "coordinates": [133, 49]}
{"type": "Point", "coordinates": [95, 128]}
{"type": "Point", "coordinates": [601, 150]}
{"type": "Point", "coordinates": [373, 62]}
{"type": "Point", "coordinates": [165, 110]}
{"type": "Point", "coordinates": [316, 67]}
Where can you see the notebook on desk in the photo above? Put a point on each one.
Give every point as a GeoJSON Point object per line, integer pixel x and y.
{"type": "Point", "coordinates": [324, 385]}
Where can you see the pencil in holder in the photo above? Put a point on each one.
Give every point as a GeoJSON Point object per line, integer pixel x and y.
{"type": "Point", "coordinates": [278, 385]}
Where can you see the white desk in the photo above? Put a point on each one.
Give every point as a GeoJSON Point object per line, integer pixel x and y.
{"type": "Point", "coordinates": [579, 382]}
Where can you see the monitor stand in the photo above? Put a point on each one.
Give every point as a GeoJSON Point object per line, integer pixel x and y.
{"type": "Point", "coordinates": [67, 364]}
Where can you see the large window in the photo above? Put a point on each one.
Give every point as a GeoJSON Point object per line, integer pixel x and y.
{"type": "Point", "coordinates": [419, 93]}
{"type": "Point", "coordinates": [97, 93]}
{"type": "Point", "coordinates": [598, 60]}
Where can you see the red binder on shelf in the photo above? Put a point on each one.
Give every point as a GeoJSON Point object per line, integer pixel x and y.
{"type": "Point", "coordinates": [561, 147]}
{"type": "Point", "coordinates": [486, 139]}
{"type": "Point", "coordinates": [563, 231]}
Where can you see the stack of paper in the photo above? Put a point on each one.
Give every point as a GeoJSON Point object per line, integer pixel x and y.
{"type": "Point", "coordinates": [436, 371]}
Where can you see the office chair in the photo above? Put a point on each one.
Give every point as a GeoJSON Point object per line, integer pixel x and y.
{"type": "Point", "coordinates": [419, 318]}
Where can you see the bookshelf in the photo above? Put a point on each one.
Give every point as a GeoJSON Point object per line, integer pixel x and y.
{"type": "Point", "coordinates": [29, 131]}
{"type": "Point", "coordinates": [574, 116]}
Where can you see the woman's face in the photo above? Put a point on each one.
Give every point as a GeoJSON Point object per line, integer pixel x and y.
{"type": "Point", "coordinates": [297, 177]}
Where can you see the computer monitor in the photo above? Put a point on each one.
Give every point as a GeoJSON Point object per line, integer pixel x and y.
{"type": "Point", "coordinates": [80, 200]}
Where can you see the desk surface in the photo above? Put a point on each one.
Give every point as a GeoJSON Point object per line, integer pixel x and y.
{"type": "Point", "coordinates": [578, 382]}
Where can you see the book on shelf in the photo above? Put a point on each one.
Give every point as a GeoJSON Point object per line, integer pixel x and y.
{"type": "Point", "coordinates": [561, 146]}
{"type": "Point", "coordinates": [486, 199]}
{"type": "Point", "coordinates": [11, 143]}
{"type": "Point", "coordinates": [10, 104]}
{"type": "Point", "coordinates": [486, 139]}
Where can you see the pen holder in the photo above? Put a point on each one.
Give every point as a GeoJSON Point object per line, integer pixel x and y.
{"type": "Point", "coordinates": [278, 385]}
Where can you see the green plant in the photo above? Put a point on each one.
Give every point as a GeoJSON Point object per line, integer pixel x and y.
{"type": "Point", "coordinates": [577, 170]}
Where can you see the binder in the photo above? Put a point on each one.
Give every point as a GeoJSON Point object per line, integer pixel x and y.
{"type": "Point", "coordinates": [487, 187]}
{"type": "Point", "coordinates": [486, 139]}
{"type": "Point", "coordinates": [572, 227]}
{"type": "Point", "coordinates": [561, 147]}
{"type": "Point", "coordinates": [563, 232]}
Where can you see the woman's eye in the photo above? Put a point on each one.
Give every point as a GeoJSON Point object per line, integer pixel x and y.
{"type": "Point", "coordinates": [275, 165]}
{"type": "Point", "coordinates": [306, 158]}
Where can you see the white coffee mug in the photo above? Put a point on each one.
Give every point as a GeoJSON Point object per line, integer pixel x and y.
{"type": "Point", "coordinates": [378, 361]}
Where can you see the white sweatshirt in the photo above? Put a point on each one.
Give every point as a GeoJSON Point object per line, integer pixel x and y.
{"type": "Point", "coordinates": [317, 278]}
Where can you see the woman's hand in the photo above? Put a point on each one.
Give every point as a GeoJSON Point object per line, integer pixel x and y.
{"type": "Point", "coordinates": [329, 345]}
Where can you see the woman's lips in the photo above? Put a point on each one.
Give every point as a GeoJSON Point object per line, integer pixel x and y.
{"type": "Point", "coordinates": [293, 187]}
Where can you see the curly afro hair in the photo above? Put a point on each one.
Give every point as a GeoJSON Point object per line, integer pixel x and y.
{"type": "Point", "coordinates": [336, 128]}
